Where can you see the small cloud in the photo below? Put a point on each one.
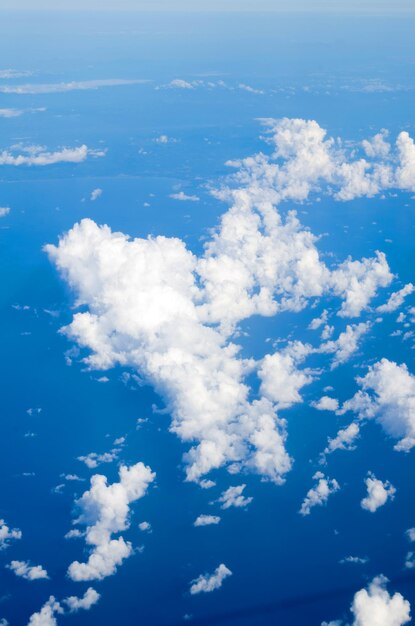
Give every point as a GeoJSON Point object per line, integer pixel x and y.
{"type": "Point", "coordinates": [27, 571]}
{"type": "Point", "coordinates": [210, 582]}
{"type": "Point", "coordinates": [233, 497]}
{"type": "Point", "coordinates": [206, 520]}
{"type": "Point", "coordinates": [95, 194]}
{"type": "Point", "coordinates": [5, 210]}
{"type": "Point", "coordinates": [184, 197]}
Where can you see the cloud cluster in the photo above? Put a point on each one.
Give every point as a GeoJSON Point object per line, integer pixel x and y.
{"type": "Point", "coordinates": [47, 614]}
{"type": "Point", "coordinates": [27, 571]}
{"type": "Point", "coordinates": [104, 510]}
{"type": "Point", "coordinates": [233, 497]}
{"type": "Point", "coordinates": [319, 494]}
{"type": "Point", "coordinates": [153, 306]}
{"type": "Point", "coordinates": [210, 582]}
{"type": "Point", "coordinates": [39, 156]}
{"type": "Point", "coordinates": [387, 395]}
{"type": "Point", "coordinates": [7, 534]}
{"type": "Point", "coordinates": [378, 493]}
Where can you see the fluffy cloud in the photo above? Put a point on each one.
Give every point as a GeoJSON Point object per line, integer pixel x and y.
{"type": "Point", "coordinates": [387, 394]}
{"type": "Point", "coordinates": [346, 344]}
{"type": "Point", "coordinates": [375, 606]}
{"type": "Point", "coordinates": [206, 520]}
{"type": "Point", "coordinates": [344, 440]}
{"type": "Point", "coordinates": [93, 459]}
{"type": "Point", "coordinates": [326, 403]}
{"type": "Point", "coordinates": [95, 194]}
{"type": "Point", "coordinates": [183, 197]}
{"type": "Point", "coordinates": [47, 614]}
{"type": "Point", "coordinates": [396, 299]}
{"type": "Point", "coordinates": [319, 494]}
{"type": "Point", "coordinates": [89, 598]}
{"type": "Point", "coordinates": [27, 571]}
{"type": "Point", "coordinates": [7, 534]}
{"type": "Point", "coordinates": [233, 497]}
{"type": "Point", "coordinates": [104, 510]}
{"type": "Point", "coordinates": [152, 306]}
{"type": "Point", "coordinates": [378, 493]}
{"type": "Point", "coordinates": [210, 582]}
{"type": "Point", "coordinates": [37, 155]}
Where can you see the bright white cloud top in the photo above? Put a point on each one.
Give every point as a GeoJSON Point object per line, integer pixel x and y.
{"type": "Point", "coordinates": [27, 571]}
{"type": "Point", "coordinates": [378, 493]}
{"type": "Point", "coordinates": [210, 582]}
{"type": "Point", "coordinates": [104, 510]}
{"type": "Point", "coordinates": [39, 156]}
{"type": "Point", "coordinates": [319, 494]}
{"type": "Point", "coordinates": [8, 534]}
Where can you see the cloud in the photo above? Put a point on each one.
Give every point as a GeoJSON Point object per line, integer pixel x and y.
{"type": "Point", "coordinates": [8, 534]}
{"type": "Point", "coordinates": [233, 497]}
{"type": "Point", "coordinates": [5, 210]}
{"type": "Point", "coordinates": [378, 493]}
{"type": "Point", "coordinates": [163, 139]}
{"type": "Point", "coordinates": [375, 606]}
{"type": "Point", "coordinates": [93, 459]}
{"type": "Point", "coordinates": [95, 194]}
{"type": "Point", "coordinates": [11, 113]}
{"type": "Point", "coordinates": [27, 571]}
{"type": "Point", "coordinates": [387, 395]}
{"type": "Point", "coordinates": [47, 614]}
{"type": "Point", "coordinates": [210, 582]}
{"type": "Point", "coordinates": [357, 560]}
{"type": "Point", "coordinates": [396, 299]}
{"type": "Point", "coordinates": [346, 344]}
{"type": "Point", "coordinates": [145, 526]}
{"type": "Point", "coordinates": [344, 440]}
{"type": "Point", "coordinates": [104, 510]}
{"type": "Point", "coordinates": [184, 197]}
{"type": "Point", "coordinates": [89, 598]}
{"type": "Point", "coordinates": [69, 86]}
{"type": "Point", "coordinates": [319, 494]}
{"type": "Point", "coordinates": [179, 83]}
{"type": "Point", "coordinates": [206, 520]}
{"type": "Point", "coordinates": [325, 403]}
{"type": "Point", "coordinates": [38, 156]}
{"type": "Point", "coordinates": [152, 306]}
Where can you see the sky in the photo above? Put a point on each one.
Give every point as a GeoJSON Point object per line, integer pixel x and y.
{"type": "Point", "coordinates": [325, 6]}
{"type": "Point", "coordinates": [207, 320]}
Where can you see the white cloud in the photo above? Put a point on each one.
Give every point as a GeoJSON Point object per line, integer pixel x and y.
{"type": "Point", "coordinates": [7, 534]}
{"type": "Point", "coordinates": [250, 89]}
{"type": "Point", "coordinates": [144, 526]}
{"type": "Point", "coordinates": [5, 210]}
{"type": "Point", "coordinates": [344, 440]}
{"type": "Point", "coordinates": [11, 113]}
{"type": "Point", "coordinates": [210, 582]}
{"type": "Point", "coordinates": [104, 510]}
{"type": "Point", "coordinates": [93, 459]}
{"type": "Point", "coordinates": [95, 194]}
{"type": "Point", "coordinates": [233, 497]}
{"type": "Point", "coordinates": [27, 571]}
{"type": "Point", "coordinates": [179, 83]}
{"type": "Point", "coordinates": [387, 394]}
{"type": "Point", "coordinates": [346, 344]}
{"type": "Point", "coordinates": [89, 598]}
{"type": "Point", "coordinates": [281, 380]}
{"type": "Point", "coordinates": [320, 493]}
{"type": "Point", "coordinates": [154, 307]}
{"type": "Point", "coordinates": [38, 155]}
{"type": "Point", "coordinates": [10, 73]}
{"type": "Point", "coordinates": [396, 299]}
{"type": "Point", "coordinates": [163, 139]}
{"type": "Point", "coordinates": [46, 615]}
{"type": "Point", "coordinates": [319, 321]}
{"type": "Point", "coordinates": [411, 534]}
{"type": "Point", "coordinates": [206, 520]}
{"type": "Point", "coordinates": [357, 560]}
{"type": "Point", "coordinates": [326, 403]}
{"type": "Point", "coordinates": [65, 87]}
{"type": "Point", "coordinates": [378, 493]}
{"type": "Point", "coordinates": [375, 606]}
{"type": "Point", "coordinates": [183, 197]}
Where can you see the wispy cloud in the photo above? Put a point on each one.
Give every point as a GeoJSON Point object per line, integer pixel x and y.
{"type": "Point", "coordinates": [33, 88]}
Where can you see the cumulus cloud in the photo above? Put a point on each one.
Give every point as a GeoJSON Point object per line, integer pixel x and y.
{"type": "Point", "coordinates": [206, 520]}
{"type": "Point", "coordinates": [8, 534]}
{"type": "Point", "coordinates": [378, 493]}
{"type": "Point", "coordinates": [104, 510]}
{"type": "Point", "coordinates": [95, 194]}
{"type": "Point", "coordinates": [153, 306]}
{"type": "Point", "coordinates": [39, 156]}
{"type": "Point", "coordinates": [375, 606]}
{"type": "Point", "coordinates": [89, 598]}
{"type": "Point", "coordinates": [145, 526]}
{"type": "Point", "coordinates": [319, 494]}
{"type": "Point", "coordinates": [233, 497]}
{"type": "Point", "coordinates": [344, 440]}
{"type": "Point", "coordinates": [326, 403]}
{"type": "Point", "coordinates": [396, 299]}
{"type": "Point", "coordinates": [93, 459]}
{"type": "Point", "coordinates": [210, 582]}
{"type": "Point", "coordinates": [387, 395]}
{"type": "Point", "coordinates": [346, 344]}
{"type": "Point", "coordinates": [27, 571]}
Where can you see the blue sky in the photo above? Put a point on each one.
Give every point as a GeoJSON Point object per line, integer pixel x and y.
{"type": "Point", "coordinates": [207, 328]}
